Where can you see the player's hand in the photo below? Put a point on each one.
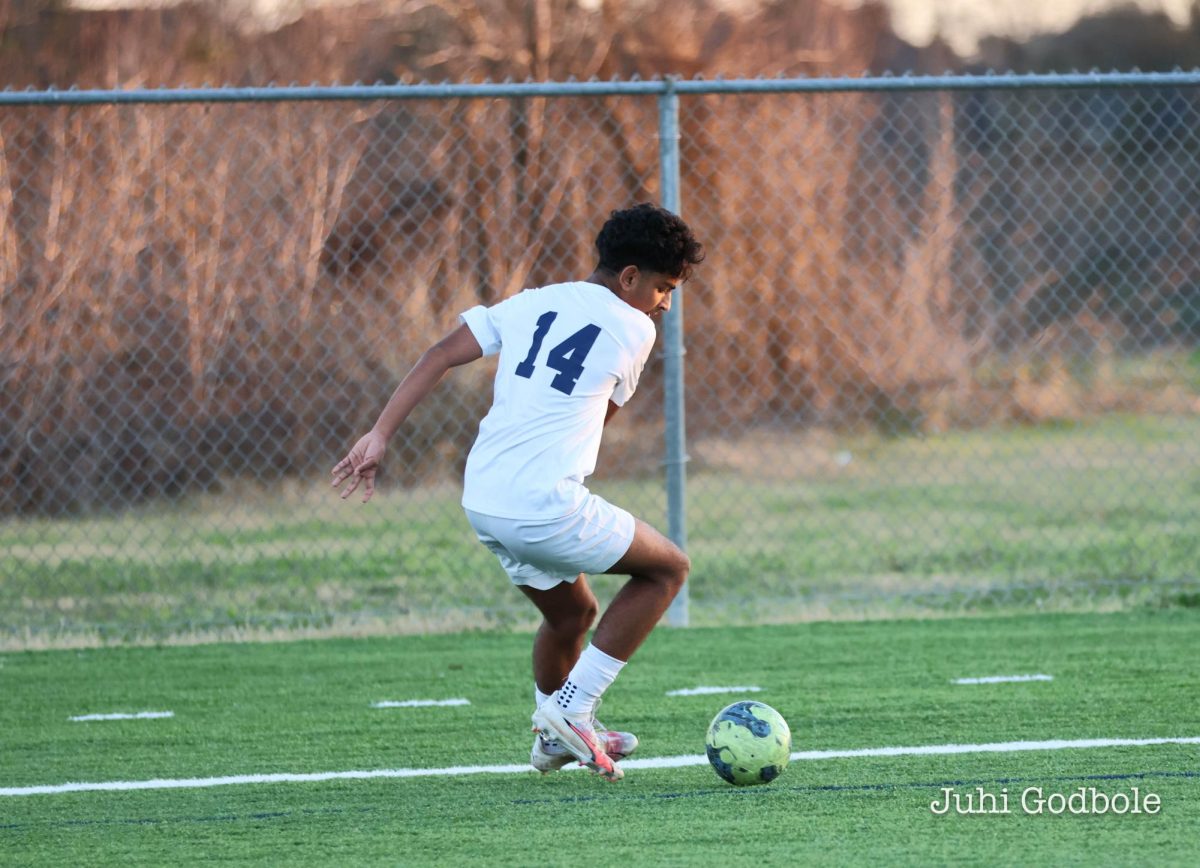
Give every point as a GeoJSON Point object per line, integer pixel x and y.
{"type": "Point", "coordinates": [360, 466]}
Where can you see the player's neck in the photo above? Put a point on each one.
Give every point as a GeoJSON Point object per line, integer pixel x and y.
{"type": "Point", "coordinates": [603, 278]}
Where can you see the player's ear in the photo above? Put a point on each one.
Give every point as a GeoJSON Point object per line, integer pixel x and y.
{"type": "Point", "coordinates": [628, 276]}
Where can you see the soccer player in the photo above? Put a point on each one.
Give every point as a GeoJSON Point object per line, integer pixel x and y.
{"type": "Point", "coordinates": [570, 356]}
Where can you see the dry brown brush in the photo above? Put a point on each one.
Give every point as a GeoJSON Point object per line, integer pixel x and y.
{"type": "Point", "coordinates": [195, 292]}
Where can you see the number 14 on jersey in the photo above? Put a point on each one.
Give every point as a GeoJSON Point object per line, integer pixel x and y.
{"type": "Point", "coordinates": [566, 357]}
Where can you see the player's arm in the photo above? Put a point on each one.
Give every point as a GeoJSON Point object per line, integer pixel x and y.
{"type": "Point", "coordinates": [612, 411]}
{"type": "Point", "coordinates": [360, 465]}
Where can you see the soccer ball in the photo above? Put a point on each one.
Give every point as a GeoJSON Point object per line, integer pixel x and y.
{"type": "Point", "coordinates": [749, 743]}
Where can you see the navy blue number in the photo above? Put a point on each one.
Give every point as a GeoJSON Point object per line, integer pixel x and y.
{"type": "Point", "coordinates": [525, 369]}
{"type": "Point", "coordinates": [567, 358]}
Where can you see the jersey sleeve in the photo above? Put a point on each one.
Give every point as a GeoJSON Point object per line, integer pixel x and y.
{"type": "Point", "coordinates": [627, 383]}
{"type": "Point", "coordinates": [484, 326]}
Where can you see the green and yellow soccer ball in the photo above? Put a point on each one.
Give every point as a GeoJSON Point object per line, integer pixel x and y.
{"type": "Point", "coordinates": [749, 743]}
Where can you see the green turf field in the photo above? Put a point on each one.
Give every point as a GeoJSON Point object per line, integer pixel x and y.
{"type": "Point", "coordinates": [306, 707]}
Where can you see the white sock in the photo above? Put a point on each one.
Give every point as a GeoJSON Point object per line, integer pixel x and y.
{"type": "Point", "coordinates": [592, 675]}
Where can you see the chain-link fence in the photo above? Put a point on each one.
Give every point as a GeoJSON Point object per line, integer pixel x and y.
{"type": "Point", "coordinates": [942, 357]}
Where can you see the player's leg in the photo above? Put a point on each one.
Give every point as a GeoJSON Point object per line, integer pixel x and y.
{"type": "Point", "coordinates": [568, 611]}
{"type": "Point", "coordinates": [560, 593]}
{"type": "Point", "coordinates": [657, 569]}
{"type": "Point", "coordinates": [534, 556]}
{"type": "Point", "coordinates": [598, 537]}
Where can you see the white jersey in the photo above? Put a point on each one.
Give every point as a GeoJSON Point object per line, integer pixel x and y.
{"type": "Point", "coordinates": [566, 350]}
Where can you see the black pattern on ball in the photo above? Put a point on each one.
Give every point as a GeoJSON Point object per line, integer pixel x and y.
{"type": "Point", "coordinates": [722, 768]}
{"type": "Point", "coordinates": [739, 713]}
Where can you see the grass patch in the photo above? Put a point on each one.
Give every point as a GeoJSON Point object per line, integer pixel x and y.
{"type": "Point", "coordinates": [795, 526]}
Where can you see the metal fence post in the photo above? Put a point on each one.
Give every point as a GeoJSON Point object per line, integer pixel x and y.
{"type": "Point", "coordinates": [673, 392]}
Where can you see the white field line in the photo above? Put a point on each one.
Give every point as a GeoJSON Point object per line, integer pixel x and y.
{"type": "Point", "coordinates": [648, 763]}
{"type": "Point", "coordinates": [1003, 679]}
{"type": "Point", "coordinates": [140, 715]}
{"type": "Point", "coordinates": [706, 691]}
{"type": "Point", "coordinates": [418, 703]}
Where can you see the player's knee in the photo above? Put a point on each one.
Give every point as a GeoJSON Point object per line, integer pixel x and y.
{"type": "Point", "coordinates": [578, 620]}
{"type": "Point", "coordinates": [588, 616]}
{"type": "Point", "coordinates": [683, 568]}
{"type": "Point", "coordinates": [675, 571]}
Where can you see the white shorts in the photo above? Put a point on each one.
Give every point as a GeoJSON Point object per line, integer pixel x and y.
{"type": "Point", "coordinates": [542, 554]}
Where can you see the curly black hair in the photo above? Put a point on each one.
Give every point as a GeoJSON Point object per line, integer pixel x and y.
{"type": "Point", "coordinates": [650, 237]}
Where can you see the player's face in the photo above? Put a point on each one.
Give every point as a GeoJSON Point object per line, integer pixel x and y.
{"type": "Point", "coordinates": [648, 291]}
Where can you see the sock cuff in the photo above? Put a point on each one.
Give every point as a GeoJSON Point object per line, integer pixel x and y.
{"type": "Point", "coordinates": [608, 665]}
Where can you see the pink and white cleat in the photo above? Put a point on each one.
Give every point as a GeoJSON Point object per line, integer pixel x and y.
{"type": "Point", "coordinates": [548, 755]}
{"type": "Point", "coordinates": [579, 740]}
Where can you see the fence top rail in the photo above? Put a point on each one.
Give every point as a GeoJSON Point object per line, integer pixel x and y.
{"type": "Point", "coordinates": [668, 84]}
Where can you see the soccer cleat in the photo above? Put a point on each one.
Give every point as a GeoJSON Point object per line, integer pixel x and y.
{"type": "Point", "coordinates": [580, 740]}
{"type": "Point", "coordinates": [548, 755]}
